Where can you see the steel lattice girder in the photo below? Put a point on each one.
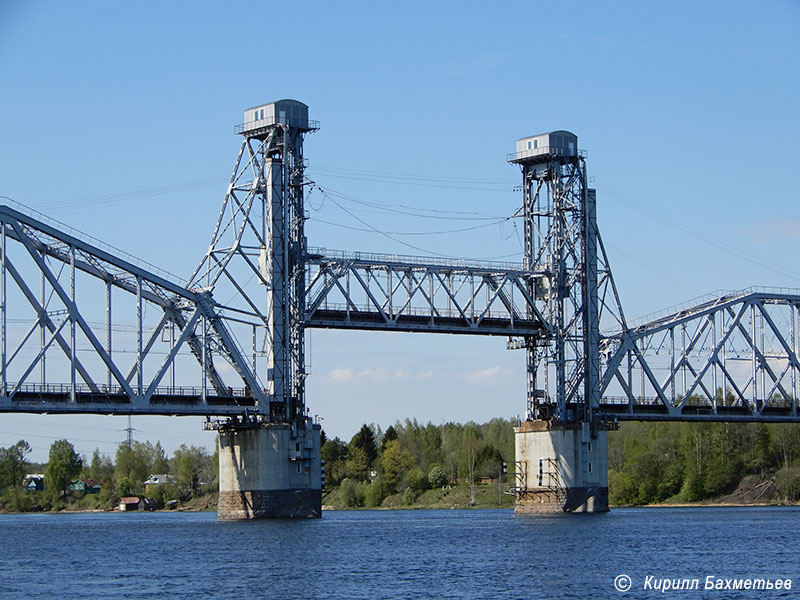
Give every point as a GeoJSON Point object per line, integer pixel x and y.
{"type": "Point", "coordinates": [257, 249]}
{"type": "Point", "coordinates": [99, 379]}
{"type": "Point", "coordinates": [561, 240]}
{"type": "Point", "coordinates": [382, 292]}
{"type": "Point", "coordinates": [732, 357]}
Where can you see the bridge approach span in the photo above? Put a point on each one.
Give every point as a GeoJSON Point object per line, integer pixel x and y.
{"type": "Point", "coordinates": [731, 356]}
{"type": "Point", "coordinates": [52, 284]}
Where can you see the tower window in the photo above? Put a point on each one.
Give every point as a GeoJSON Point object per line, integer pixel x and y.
{"type": "Point", "coordinates": [590, 467]}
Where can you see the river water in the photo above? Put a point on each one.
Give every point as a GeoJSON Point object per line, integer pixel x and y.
{"type": "Point", "coordinates": [397, 554]}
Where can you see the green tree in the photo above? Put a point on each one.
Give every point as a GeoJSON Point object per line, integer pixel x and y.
{"type": "Point", "coordinates": [437, 477]}
{"type": "Point", "coordinates": [164, 493]}
{"type": "Point", "coordinates": [396, 462]}
{"type": "Point", "coordinates": [452, 436]}
{"type": "Point", "coordinates": [357, 463]}
{"type": "Point", "coordinates": [191, 465]}
{"type": "Point", "coordinates": [470, 446]}
{"type": "Point", "coordinates": [347, 492]}
{"type": "Point", "coordinates": [63, 466]}
{"type": "Point", "coordinates": [124, 486]}
{"type": "Point", "coordinates": [621, 488]}
{"type": "Point", "coordinates": [416, 480]}
{"type": "Point", "coordinates": [365, 440]}
{"type": "Point", "coordinates": [410, 496]}
{"type": "Point", "coordinates": [762, 459]}
{"type": "Point", "coordinates": [786, 440]}
{"type": "Point", "coordinates": [373, 495]}
{"type": "Point", "coordinates": [334, 453]}
{"type": "Point", "coordinates": [135, 462]}
{"type": "Point", "coordinates": [101, 469]}
{"type": "Point", "coordinates": [13, 465]}
{"type": "Point", "coordinates": [160, 463]}
{"type": "Point", "coordinates": [389, 435]}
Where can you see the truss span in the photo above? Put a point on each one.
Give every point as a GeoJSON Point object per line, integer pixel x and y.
{"type": "Point", "coordinates": [414, 294]}
{"type": "Point", "coordinates": [157, 339]}
{"type": "Point", "coordinates": [732, 357]}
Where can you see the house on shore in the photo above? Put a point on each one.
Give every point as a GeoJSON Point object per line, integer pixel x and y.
{"type": "Point", "coordinates": [34, 482]}
{"type": "Point", "coordinates": [85, 486]}
{"type": "Point", "coordinates": [130, 503]}
{"type": "Point", "coordinates": [154, 480]}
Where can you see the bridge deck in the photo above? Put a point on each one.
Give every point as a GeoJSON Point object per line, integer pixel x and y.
{"type": "Point", "coordinates": [426, 322]}
{"type": "Point", "coordinates": [652, 409]}
{"type": "Point", "coordinates": [178, 401]}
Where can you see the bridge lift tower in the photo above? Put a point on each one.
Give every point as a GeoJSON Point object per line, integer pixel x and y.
{"type": "Point", "coordinates": [561, 448]}
{"type": "Point", "coordinates": [270, 460]}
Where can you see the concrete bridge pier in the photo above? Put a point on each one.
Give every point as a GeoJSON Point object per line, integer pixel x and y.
{"type": "Point", "coordinates": [561, 467]}
{"type": "Point", "coordinates": [269, 470]}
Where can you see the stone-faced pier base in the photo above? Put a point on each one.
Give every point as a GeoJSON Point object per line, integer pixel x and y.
{"type": "Point", "coordinates": [270, 470]}
{"type": "Point", "coordinates": [561, 468]}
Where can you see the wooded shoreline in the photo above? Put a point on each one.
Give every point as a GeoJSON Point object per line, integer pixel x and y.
{"type": "Point", "coordinates": [411, 465]}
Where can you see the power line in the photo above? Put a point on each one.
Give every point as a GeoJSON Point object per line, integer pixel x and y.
{"type": "Point", "coordinates": [378, 231]}
{"type": "Point", "coordinates": [442, 232]}
{"type": "Point", "coordinates": [371, 228]}
{"type": "Point", "coordinates": [86, 201]}
{"type": "Point", "coordinates": [481, 185]}
{"type": "Point", "coordinates": [414, 211]}
{"type": "Point", "coordinates": [701, 236]}
{"type": "Point", "coordinates": [59, 437]}
{"type": "Point", "coordinates": [410, 176]}
{"type": "Point", "coordinates": [650, 267]}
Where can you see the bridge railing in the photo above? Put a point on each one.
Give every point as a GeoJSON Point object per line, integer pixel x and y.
{"type": "Point", "coordinates": [65, 389]}
{"type": "Point", "coordinates": [320, 254]}
{"type": "Point", "coordinates": [92, 241]}
{"type": "Point", "coordinates": [699, 301]}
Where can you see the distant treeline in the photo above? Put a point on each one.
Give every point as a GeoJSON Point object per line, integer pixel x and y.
{"type": "Point", "coordinates": [410, 458]}
{"type": "Point", "coordinates": [193, 471]}
{"type": "Point", "coordinates": [648, 462]}
{"type": "Point", "coordinates": [653, 462]}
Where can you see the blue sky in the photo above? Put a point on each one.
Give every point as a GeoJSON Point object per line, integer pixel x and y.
{"type": "Point", "coordinates": [119, 121]}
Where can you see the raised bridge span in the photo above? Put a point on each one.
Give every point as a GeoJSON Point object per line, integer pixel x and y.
{"type": "Point", "coordinates": [87, 328]}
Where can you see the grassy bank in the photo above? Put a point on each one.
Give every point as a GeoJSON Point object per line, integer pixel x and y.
{"type": "Point", "coordinates": [21, 501]}
{"type": "Point", "coordinates": [454, 496]}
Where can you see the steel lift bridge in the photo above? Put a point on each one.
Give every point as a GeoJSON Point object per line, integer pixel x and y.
{"type": "Point", "coordinates": [87, 328]}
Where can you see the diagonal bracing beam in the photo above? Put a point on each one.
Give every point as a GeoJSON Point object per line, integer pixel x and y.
{"type": "Point", "coordinates": [764, 352]}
